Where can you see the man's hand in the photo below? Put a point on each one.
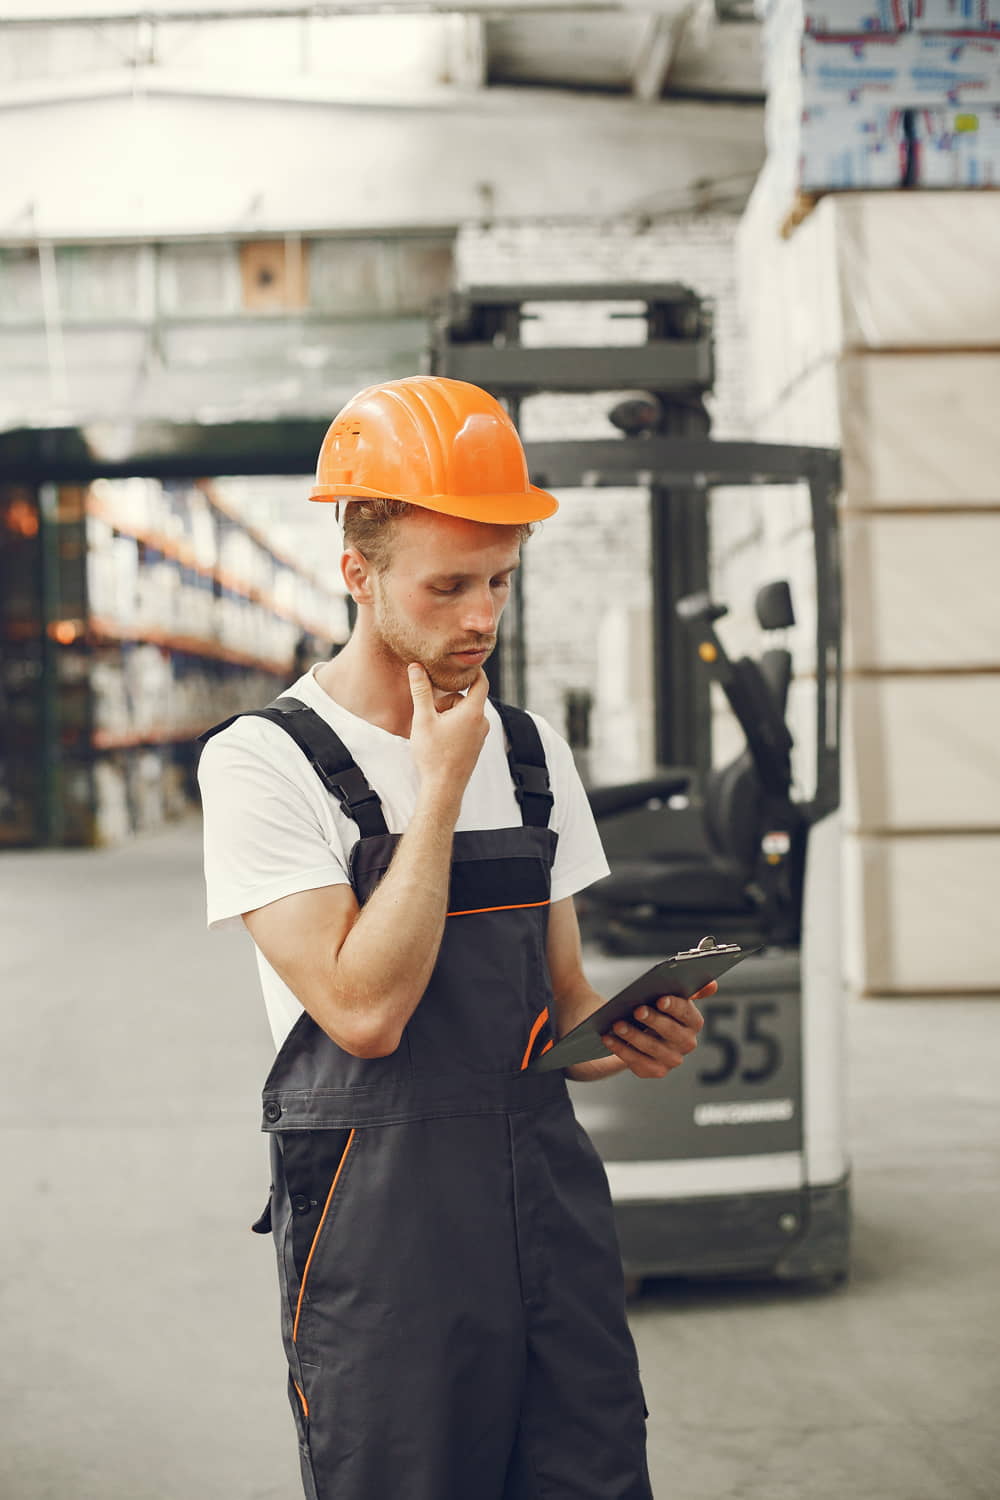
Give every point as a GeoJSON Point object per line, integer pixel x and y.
{"type": "Point", "coordinates": [666, 1033]}
{"type": "Point", "coordinates": [446, 738]}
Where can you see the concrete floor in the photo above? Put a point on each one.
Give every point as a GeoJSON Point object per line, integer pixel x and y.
{"type": "Point", "coordinates": [139, 1317]}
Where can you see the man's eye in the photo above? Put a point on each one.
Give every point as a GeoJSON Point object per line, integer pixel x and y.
{"type": "Point", "coordinates": [452, 589]}
{"type": "Point", "coordinates": [501, 583]}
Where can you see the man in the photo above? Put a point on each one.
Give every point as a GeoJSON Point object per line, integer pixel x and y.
{"type": "Point", "coordinates": [404, 854]}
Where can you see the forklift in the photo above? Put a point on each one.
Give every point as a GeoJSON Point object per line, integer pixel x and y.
{"type": "Point", "coordinates": [738, 1165]}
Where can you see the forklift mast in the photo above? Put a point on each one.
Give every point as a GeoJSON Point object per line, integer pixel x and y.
{"type": "Point", "coordinates": [665, 448]}
{"type": "Point", "coordinates": [477, 336]}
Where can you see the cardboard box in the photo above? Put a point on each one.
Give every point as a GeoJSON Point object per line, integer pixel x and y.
{"type": "Point", "coordinates": [957, 70]}
{"type": "Point", "coordinates": [850, 148]}
{"type": "Point", "coordinates": [906, 71]}
{"type": "Point", "coordinates": [921, 592]}
{"type": "Point", "coordinates": [837, 17]}
{"type": "Point", "coordinates": [956, 148]}
{"type": "Point", "coordinates": [954, 15]}
{"type": "Point", "coordinates": [875, 70]}
{"type": "Point", "coordinates": [921, 914]}
{"type": "Point", "coordinates": [920, 753]}
{"type": "Point", "coordinates": [919, 429]}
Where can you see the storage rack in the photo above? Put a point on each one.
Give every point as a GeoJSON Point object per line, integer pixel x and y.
{"type": "Point", "coordinates": [133, 612]}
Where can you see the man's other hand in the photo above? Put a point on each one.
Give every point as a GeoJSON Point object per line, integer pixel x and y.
{"type": "Point", "coordinates": [667, 1032]}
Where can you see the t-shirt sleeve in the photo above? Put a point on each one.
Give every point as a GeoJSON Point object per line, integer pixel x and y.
{"type": "Point", "coordinates": [263, 836]}
{"type": "Point", "coordinates": [580, 858]}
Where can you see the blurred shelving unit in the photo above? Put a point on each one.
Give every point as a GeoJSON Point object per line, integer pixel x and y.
{"type": "Point", "coordinates": [134, 612]}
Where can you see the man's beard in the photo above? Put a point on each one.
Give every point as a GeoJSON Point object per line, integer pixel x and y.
{"type": "Point", "coordinates": [401, 641]}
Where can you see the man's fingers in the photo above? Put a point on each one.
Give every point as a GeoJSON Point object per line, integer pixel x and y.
{"type": "Point", "coordinates": [684, 1012]}
{"type": "Point", "coordinates": [659, 1037]}
{"type": "Point", "coordinates": [649, 1043]}
{"type": "Point", "coordinates": [479, 691]}
{"type": "Point", "coordinates": [655, 1030]}
{"type": "Point", "coordinates": [420, 686]}
{"type": "Point", "coordinates": [636, 1061]}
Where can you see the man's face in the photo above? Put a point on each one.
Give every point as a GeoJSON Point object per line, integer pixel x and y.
{"type": "Point", "coordinates": [440, 599]}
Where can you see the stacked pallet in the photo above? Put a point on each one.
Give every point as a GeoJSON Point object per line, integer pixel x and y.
{"type": "Point", "coordinates": [876, 327]}
{"type": "Point", "coordinates": [882, 93]}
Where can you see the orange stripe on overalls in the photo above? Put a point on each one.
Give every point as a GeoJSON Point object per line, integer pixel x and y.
{"type": "Point", "coordinates": [540, 1022]}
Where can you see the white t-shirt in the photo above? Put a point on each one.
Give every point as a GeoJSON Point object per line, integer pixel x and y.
{"type": "Point", "coordinates": [272, 828]}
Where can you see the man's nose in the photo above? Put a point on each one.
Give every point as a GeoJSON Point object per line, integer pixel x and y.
{"type": "Point", "coordinates": [481, 613]}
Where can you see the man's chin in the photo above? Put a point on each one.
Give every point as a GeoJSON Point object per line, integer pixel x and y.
{"type": "Point", "coordinates": [450, 678]}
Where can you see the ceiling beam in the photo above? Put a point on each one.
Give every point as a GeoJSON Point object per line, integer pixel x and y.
{"type": "Point", "coordinates": [209, 83]}
{"type": "Point", "coordinates": [461, 162]}
{"type": "Point", "coordinates": [103, 12]}
{"type": "Point", "coordinates": [656, 53]}
{"type": "Point", "coordinates": [467, 54]}
{"type": "Point", "coordinates": [717, 60]}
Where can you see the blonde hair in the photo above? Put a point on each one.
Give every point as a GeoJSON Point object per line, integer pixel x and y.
{"type": "Point", "coordinates": [368, 528]}
{"type": "Point", "coordinates": [369, 523]}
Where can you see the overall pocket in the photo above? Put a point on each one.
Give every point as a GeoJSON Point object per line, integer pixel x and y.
{"type": "Point", "coordinates": [314, 1163]}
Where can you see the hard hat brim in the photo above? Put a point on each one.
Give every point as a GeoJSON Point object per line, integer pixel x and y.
{"type": "Point", "coordinates": [531, 504]}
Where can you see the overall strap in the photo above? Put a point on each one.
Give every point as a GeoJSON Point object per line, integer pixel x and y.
{"type": "Point", "coordinates": [528, 767]}
{"type": "Point", "coordinates": [328, 755]}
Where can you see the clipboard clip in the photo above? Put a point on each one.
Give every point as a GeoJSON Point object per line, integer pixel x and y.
{"type": "Point", "coordinates": [708, 945]}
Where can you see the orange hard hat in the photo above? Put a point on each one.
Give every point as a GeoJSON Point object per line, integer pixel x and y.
{"type": "Point", "coordinates": [442, 444]}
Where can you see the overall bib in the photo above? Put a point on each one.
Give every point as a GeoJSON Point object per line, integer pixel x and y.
{"type": "Point", "coordinates": [452, 1297]}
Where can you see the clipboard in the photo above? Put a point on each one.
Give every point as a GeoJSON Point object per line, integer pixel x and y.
{"type": "Point", "coordinates": [682, 974]}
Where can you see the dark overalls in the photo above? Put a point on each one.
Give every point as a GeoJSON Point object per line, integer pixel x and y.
{"type": "Point", "coordinates": [452, 1295]}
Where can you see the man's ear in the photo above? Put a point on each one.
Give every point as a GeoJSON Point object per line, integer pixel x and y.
{"type": "Point", "coordinates": [355, 570]}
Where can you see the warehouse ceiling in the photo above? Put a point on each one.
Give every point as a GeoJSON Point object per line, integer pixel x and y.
{"type": "Point", "coordinates": [242, 209]}
{"type": "Point", "coordinates": [422, 49]}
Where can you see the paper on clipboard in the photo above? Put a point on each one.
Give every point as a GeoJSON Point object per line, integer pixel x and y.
{"type": "Point", "coordinates": [681, 974]}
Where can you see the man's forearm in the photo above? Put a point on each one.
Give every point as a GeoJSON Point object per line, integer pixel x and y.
{"type": "Point", "coordinates": [386, 960]}
{"type": "Point", "coordinates": [572, 1008]}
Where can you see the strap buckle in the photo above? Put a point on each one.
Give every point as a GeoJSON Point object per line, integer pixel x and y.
{"type": "Point", "coordinates": [531, 781]}
{"type": "Point", "coordinates": [350, 786]}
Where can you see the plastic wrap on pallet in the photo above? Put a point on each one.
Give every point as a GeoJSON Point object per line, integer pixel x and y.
{"type": "Point", "coordinates": [920, 429]}
{"type": "Point", "coordinates": [956, 148]}
{"type": "Point", "coordinates": [954, 15]}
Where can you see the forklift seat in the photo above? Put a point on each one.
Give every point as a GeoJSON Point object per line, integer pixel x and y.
{"type": "Point", "coordinates": [734, 794]}
{"type": "Point", "coordinates": [720, 876]}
